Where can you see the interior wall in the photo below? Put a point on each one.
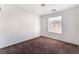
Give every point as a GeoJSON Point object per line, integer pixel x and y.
{"type": "Point", "coordinates": [78, 25]}
{"type": "Point", "coordinates": [70, 17]}
{"type": "Point", "coordinates": [17, 25]}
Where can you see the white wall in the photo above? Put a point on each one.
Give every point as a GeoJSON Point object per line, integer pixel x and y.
{"type": "Point", "coordinates": [70, 20]}
{"type": "Point", "coordinates": [78, 25]}
{"type": "Point", "coordinates": [17, 25]}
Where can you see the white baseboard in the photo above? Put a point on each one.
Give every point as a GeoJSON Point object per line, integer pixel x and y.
{"type": "Point", "coordinates": [61, 40]}
{"type": "Point", "coordinates": [15, 42]}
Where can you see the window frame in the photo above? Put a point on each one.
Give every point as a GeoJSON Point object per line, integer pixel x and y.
{"type": "Point", "coordinates": [61, 25]}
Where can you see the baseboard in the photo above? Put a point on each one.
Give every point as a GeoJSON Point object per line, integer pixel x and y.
{"type": "Point", "coordinates": [60, 40]}
{"type": "Point", "coordinates": [34, 37]}
{"type": "Point", "coordinates": [25, 39]}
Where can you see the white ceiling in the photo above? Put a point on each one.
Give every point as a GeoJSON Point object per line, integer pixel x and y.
{"type": "Point", "coordinates": [39, 10]}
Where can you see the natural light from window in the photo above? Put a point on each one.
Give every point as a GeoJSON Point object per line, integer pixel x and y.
{"type": "Point", "coordinates": [55, 24]}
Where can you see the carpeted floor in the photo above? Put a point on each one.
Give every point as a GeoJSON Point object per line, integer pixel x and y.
{"type": "Point", "coordinates": [41, 45]}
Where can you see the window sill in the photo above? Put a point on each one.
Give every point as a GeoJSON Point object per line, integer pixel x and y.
{"type": "Point", "coordinates": [56, 33]}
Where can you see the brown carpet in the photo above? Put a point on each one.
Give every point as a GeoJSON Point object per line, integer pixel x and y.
{"type": "Point", "coordinates": [41, 45]}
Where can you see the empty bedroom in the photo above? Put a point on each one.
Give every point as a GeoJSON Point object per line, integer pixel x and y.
{"type": "Point", "coordinates": [39, 29]}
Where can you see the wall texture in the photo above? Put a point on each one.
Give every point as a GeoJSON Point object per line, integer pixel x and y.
{"type": "Point", "coordinates": [78, 24]}
{"type": "Point", "coordinates": [70, 25]}
{"type": "Point", "coordinates": [17, 25]}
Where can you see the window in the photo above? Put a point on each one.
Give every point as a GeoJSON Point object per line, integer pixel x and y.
{"type": "Point", "coordinates": [55, 24]}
